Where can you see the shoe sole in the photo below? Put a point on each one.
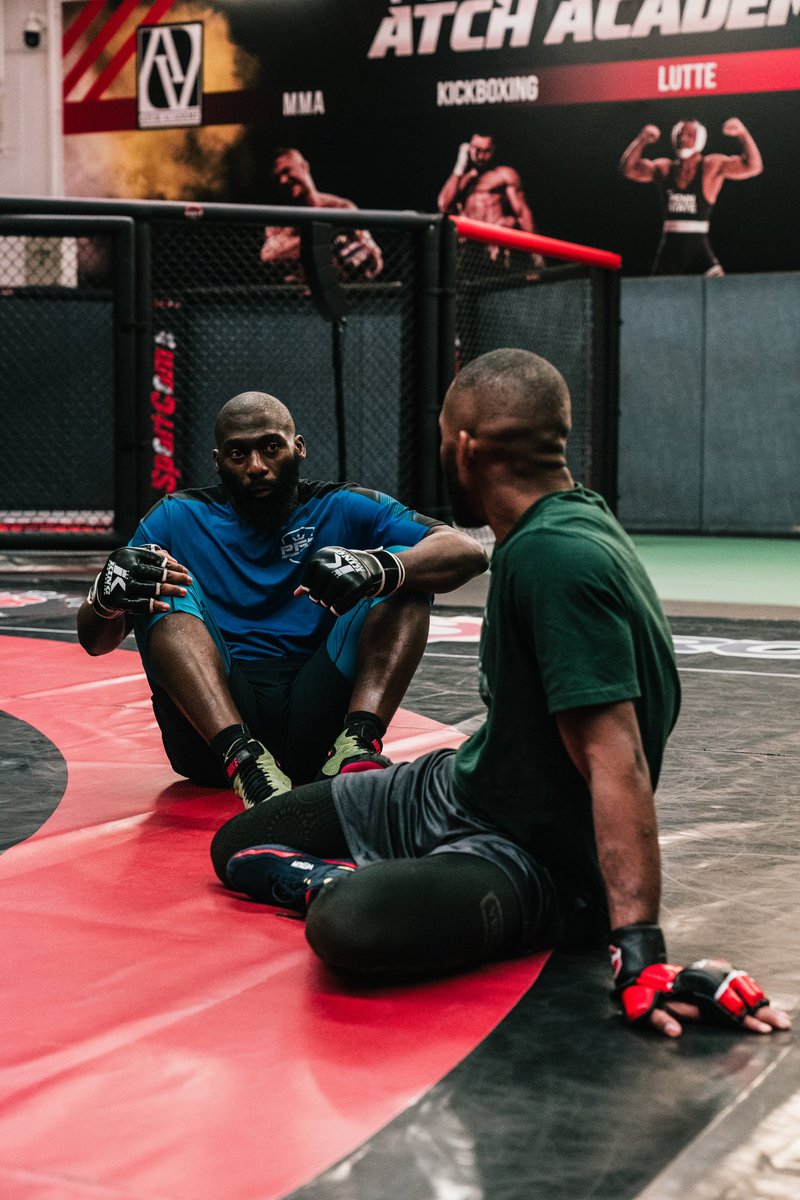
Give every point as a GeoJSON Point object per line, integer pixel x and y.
{"type": "Point", "coordinates": [367, 765]}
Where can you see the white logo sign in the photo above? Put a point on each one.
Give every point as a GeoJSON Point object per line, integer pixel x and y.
{"type": "Point", "coordinates": [295, 541]}
{"type": "Point", "coordinates": [508, 89]}
{"type": "Point", "coordinates": [115, 578]}
{"type": "Point", "coordinates": [737, 647]}
{"type": "Point", "coordinates": [169, 77]}
{"type": "Point", "coordinates": [304, 104]}
{"type": "Point", "coordinates": [463, 24]}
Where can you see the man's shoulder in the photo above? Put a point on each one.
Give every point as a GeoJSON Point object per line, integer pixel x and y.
{"type": "Point", "coordinates": [573, 528]}
{"type": "Point", "coordinates": [712, 162]}
{"type": "Point", "coordinates": [207, 497]}
{"type": "Point", "coordinates": [508, 175]}
{"type": "Point", "coordinates": [363, 500]}
{"type": "Point", "coordinates": [328, 200]}
{"type": "Point", "coordinates": [309, 490]}
{"type": "Point", "coordinates": [570, 511]}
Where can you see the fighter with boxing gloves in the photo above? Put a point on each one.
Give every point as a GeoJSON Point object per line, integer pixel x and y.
{"type": "Point", "coordinates": [252, 685]}
{"type": "Point", "coordinates": [479, 188]}
{"type": "Point", "coordinates": [540, 830]}
{"type": "Point", "coordinates": [356, 253]}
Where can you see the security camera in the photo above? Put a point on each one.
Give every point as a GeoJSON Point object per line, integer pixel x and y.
{"type": "Point", "coordinates": [32, 31]}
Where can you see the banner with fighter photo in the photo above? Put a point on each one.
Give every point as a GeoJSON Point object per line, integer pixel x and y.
{"type": "Point", "coordinates": [661, 129]}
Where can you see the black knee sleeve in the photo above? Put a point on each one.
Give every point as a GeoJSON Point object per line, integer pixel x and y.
{"type": "Point", "coordinates": [305, 819]}
{"type": "Point", "coordinates": [410, 917]}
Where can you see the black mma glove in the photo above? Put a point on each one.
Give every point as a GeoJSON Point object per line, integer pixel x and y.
{"type": "Point", "coordinates": [644, 980]}
{"type": "Point", "coordinates": [353, 256]}
{"type": "Point", "coordinates": [129, 582]}
{"type": "Point", "coordinates": [338, 578]}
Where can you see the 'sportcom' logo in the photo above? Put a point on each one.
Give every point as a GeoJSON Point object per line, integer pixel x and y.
{"type": "Point", "coordinates": [169, 75]}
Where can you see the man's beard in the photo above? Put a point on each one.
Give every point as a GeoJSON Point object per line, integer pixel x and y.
{"type": "Point", "coordinates": [459, 505]}
{"type": "Point", "coordinates": [266, 513]}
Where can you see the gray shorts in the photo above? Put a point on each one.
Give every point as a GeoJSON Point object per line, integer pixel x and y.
{"type": "Point", "coordinates": [411, 810]}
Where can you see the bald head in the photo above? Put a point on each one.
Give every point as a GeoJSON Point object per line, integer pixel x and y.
{"type": "Point", "coordinates": [516, 407]}
{"type": "Point", "coordinates": [253, 406]}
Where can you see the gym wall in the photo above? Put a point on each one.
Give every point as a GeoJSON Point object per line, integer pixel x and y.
{"type": "Point", "coordinates": [709, 402]}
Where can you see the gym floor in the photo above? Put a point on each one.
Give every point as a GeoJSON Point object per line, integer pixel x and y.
{"type": "Point", "coordinates": [166, 1039]}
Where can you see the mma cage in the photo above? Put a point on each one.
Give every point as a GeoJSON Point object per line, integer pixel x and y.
{"type": "Point", "coordinates": [125, 325]}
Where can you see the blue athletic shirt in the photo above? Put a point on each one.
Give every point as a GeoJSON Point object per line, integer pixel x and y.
{"type": "Point", "coordinates": [248, 577]}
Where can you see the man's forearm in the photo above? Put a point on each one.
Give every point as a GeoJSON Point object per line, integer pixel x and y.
{"type": "Point", "coordinates": [750, 154]}
{"type": "Point", "coordinates": [280, 244]}
{"type": "Point", "coordinates": [632, 165]}
{"type": "Point", "coordinates": [521, 210]}
{"type": "Point", "coordinates": [604, 743]}
{"type": "Point", "coordinates": [444, 560]}
{"type": "Point", "coordinates": [446, 199]}
{"type": "Point", "coordinates": [99, 635]}
{"type": "Point", "coordinates": [450, 195]}
{"type": "Point", "coordinates": [627, 848]}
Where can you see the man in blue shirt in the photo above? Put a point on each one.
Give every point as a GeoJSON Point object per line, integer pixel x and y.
{"type": "Point", "coordinates": [251, 682]}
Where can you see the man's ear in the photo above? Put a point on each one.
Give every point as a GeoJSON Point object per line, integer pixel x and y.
{"type": "Point", "coordinates": [299, 446]}
{"type": "Point", "coordinates": [465, 448]}
{"type": "Point", "coordinates": [215, 457]}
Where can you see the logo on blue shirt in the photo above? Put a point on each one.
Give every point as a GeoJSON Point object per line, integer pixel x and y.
{"type": "Point", "coordinates": [296, 540]}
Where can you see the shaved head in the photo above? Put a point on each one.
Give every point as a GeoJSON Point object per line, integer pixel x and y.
{"type": "Point", "coordinates": [246, 406]}
{"type": "Point", "coordinates": [516, 406]}
{"type": "Point", "coordinates": [257, 457]}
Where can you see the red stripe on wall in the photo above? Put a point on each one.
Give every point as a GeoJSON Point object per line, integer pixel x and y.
{"type": "Point", "coordinates": [80, 25]}
{"type": "Point", "coordinates": [98, 45]}
{"type": "Point", "coordinates": [100, 116]}
{"type": "Point", "coordinates": [112, 69]}
{"type": "Point", "coordinates": [109, 116]}
{"type": "Point", "coordinates": [671, 78]}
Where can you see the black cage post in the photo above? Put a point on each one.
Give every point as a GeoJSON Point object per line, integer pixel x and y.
{"type": "Point", "coordinates": [605, 346]}
{"type": "Point", "coordinates": [429, 394]}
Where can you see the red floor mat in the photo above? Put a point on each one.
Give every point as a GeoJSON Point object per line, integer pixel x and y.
{"type": "Point", "coordinates": [161, 1038]}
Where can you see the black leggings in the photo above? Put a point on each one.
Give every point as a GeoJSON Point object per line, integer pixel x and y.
{"type": "Point", "coordinates": [401, 917]}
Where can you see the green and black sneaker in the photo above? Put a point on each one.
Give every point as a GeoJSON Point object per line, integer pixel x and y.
{"type": "Point", "coordinates": [254, 774]}
{"type": "Point", "coordinates": [354, 750]}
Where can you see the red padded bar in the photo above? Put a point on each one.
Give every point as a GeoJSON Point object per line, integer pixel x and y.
{"type": "Point", "coordinates": [515, 239]}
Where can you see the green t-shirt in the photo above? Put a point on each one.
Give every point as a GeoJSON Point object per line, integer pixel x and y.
{"type": "Point", "coordinates": [571, 619]}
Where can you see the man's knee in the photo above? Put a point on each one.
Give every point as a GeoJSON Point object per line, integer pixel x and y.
{"type": "Point", "coordinates": [409, 611]}
{"type": "Point", "coordinates": [343, 927]}
{"type": "Point", "coordinates": [174, 627]}
{"type": "Point", "coordinates": [423, 916]}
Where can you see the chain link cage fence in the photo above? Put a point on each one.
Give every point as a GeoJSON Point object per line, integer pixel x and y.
{"type": "Point", "coordinates": [234, 310]}
{"type": "Point", "coordinates": [125, 326]}
{"type": "Point", "coordinates": [60, 355]}
{"type": "Point", "coordinates": [566, 311]}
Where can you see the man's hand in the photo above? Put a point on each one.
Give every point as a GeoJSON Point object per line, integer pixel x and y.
{"type": "Point", "coordinates": [654, 993]}
{"type": "Point", "coordinates": [650, 134]}
{"type": "Point", "coordinates": [463, 161]}
{"type": "Point", "coordinates": [338, 578]}
{"type": "Point", "coordinates": [133, 579]}
{"type": "Point", "coordinates": [733, 128]}
{"type": "Point", "coordinates": [358, 256]}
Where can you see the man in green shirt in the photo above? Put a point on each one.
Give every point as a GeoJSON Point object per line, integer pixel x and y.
{"type": "Point", "coordinates": [541, 829]}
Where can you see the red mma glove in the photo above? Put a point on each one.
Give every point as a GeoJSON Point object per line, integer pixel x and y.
{"type": "Point", "coordinates": [644, 980]}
